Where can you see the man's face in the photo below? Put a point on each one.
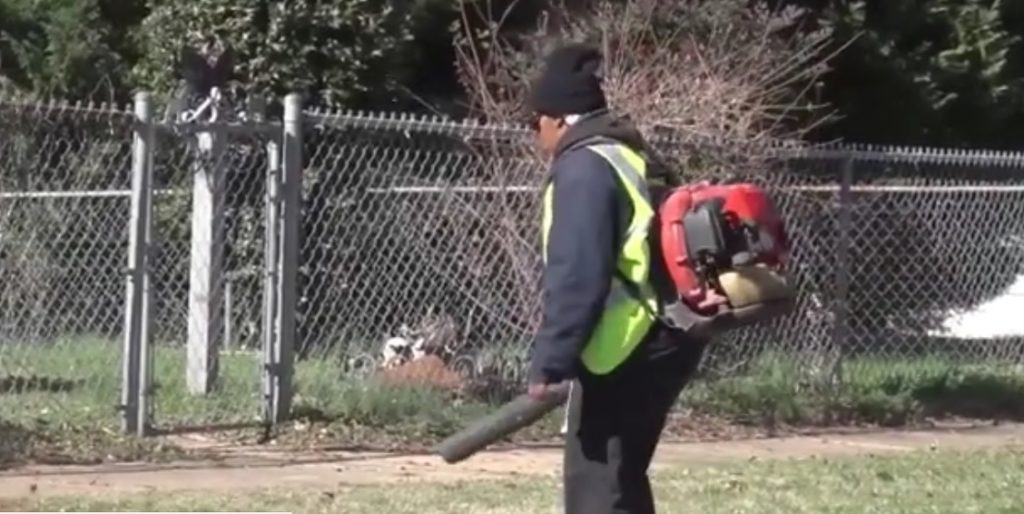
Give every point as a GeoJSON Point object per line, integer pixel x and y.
{"type": "Point", "coordinates": [549, 131]}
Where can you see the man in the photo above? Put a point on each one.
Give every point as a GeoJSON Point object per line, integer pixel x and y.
{"type": "Point", "coordinates": [600, 326]}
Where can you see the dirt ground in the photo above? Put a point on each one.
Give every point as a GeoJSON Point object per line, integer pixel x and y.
{"type": "Point", "coordinates": [238, 468]}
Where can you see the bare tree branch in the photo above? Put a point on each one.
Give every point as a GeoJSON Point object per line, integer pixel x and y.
{"type": "Point", "coordinates": [741, 79]}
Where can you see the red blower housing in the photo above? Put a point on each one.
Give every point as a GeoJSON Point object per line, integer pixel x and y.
{"type": "Point", "coordinates": [707, 228]}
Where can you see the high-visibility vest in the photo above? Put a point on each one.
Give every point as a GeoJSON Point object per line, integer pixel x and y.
{"type": "Point", "coordinates": [625, 320]}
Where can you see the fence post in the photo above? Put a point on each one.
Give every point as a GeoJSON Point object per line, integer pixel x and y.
{"type": "Point", "coordinates": [287, 295]}
{"type": "Point", "coordinates": [206, 273]}
{"type": "Point", "coordinates": [841, 303]}
{"type": "Point", "coordinates": [229, 307]}
{"type": "Point", "coordinates": [135, 358]}
{"type": "Point", "coordinates": [271, 256]}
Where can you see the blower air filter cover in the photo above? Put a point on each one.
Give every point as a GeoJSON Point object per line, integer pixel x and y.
{"type": "Point", "coordinates": [749, 286]}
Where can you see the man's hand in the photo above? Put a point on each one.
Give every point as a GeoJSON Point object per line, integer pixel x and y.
{"type": "Point", "coordinates": [538, 391]}
{"type": "Point", "coordinates": [713, 299]}
{"type": "Point", "coordinates": [703, 325]}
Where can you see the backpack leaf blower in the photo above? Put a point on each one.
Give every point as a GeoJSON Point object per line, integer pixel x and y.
{"type": "Point", "coordinates": [714, 240]}
{"type": "Point", "coordinates": [724, 241]}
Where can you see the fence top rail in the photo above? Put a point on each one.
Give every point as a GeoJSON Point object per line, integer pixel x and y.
{"type": "Point", "coordinates": [411, 122]}
{"type": "Point", "coordinates": [78, 107]}
{"type": "Point", "coordinates": [475, 129]}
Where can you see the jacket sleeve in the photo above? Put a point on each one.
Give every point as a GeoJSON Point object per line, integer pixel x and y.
{"type": "Point", "coordinates": [581, 259]}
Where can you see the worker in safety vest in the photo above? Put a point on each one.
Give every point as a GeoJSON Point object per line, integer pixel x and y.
{"type": "Point", "coordinates": [626, 368]}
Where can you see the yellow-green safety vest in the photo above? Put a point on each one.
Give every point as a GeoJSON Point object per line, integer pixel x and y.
{"type": "Point", "coordinates": [625, 320]}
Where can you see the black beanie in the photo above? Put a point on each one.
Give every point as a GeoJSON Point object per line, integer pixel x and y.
{"type": "Point", "coordinates": [569, 82]}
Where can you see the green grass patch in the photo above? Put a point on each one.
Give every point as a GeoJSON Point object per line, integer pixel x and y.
{"type": "Point", "coordinates": [77, 382]}
{"type": "Point", "coordinates": [921, 482]}
{"type": "Point", "coordinates": [889, 392]}
{"type": "Point", "coordinates": [337, 408]}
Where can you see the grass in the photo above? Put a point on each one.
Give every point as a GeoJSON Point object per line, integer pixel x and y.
{"type": "Point", "coordinates": [877, 391]}
{"type": "Point", "coordinates": [334, 408]}
{"type": "Point", "coordinates": [82, 382]}
{"type": "Point", "coordinates": [989, 482]}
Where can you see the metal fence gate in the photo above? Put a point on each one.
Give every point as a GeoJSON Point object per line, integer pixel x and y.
{"type": "Point", "coordinates": [209, 307]}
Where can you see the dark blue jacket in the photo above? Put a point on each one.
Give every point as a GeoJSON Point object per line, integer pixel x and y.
{"type": "Point", "coordinates": [589, 214]}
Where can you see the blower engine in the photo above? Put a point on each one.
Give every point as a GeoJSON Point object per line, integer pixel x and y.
{"type": "Point", "coordinates": [726, 238]}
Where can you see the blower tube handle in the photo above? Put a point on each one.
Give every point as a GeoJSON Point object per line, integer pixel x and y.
{"type": "Point", "coordinates": [521, 412]}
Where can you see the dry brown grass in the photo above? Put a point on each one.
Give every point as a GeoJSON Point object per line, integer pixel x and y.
{"type": "Point", "coordinates": [428, 371]}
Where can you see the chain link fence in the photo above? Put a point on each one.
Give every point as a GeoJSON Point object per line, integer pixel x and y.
{"type": "Point", "coordinates": [423, 233]}
{"type": "Point", "coordinates": [64, 212]}
{"type": "Point", "coordinates": [65, 218]}
{"type": "Point", "coordinates": [933, 254]}
{"type": "Point", "coordinates": [420, 236]}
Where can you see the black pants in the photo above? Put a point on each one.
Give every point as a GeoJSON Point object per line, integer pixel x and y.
{"type": "Point", "coordinates": [615, 422]}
